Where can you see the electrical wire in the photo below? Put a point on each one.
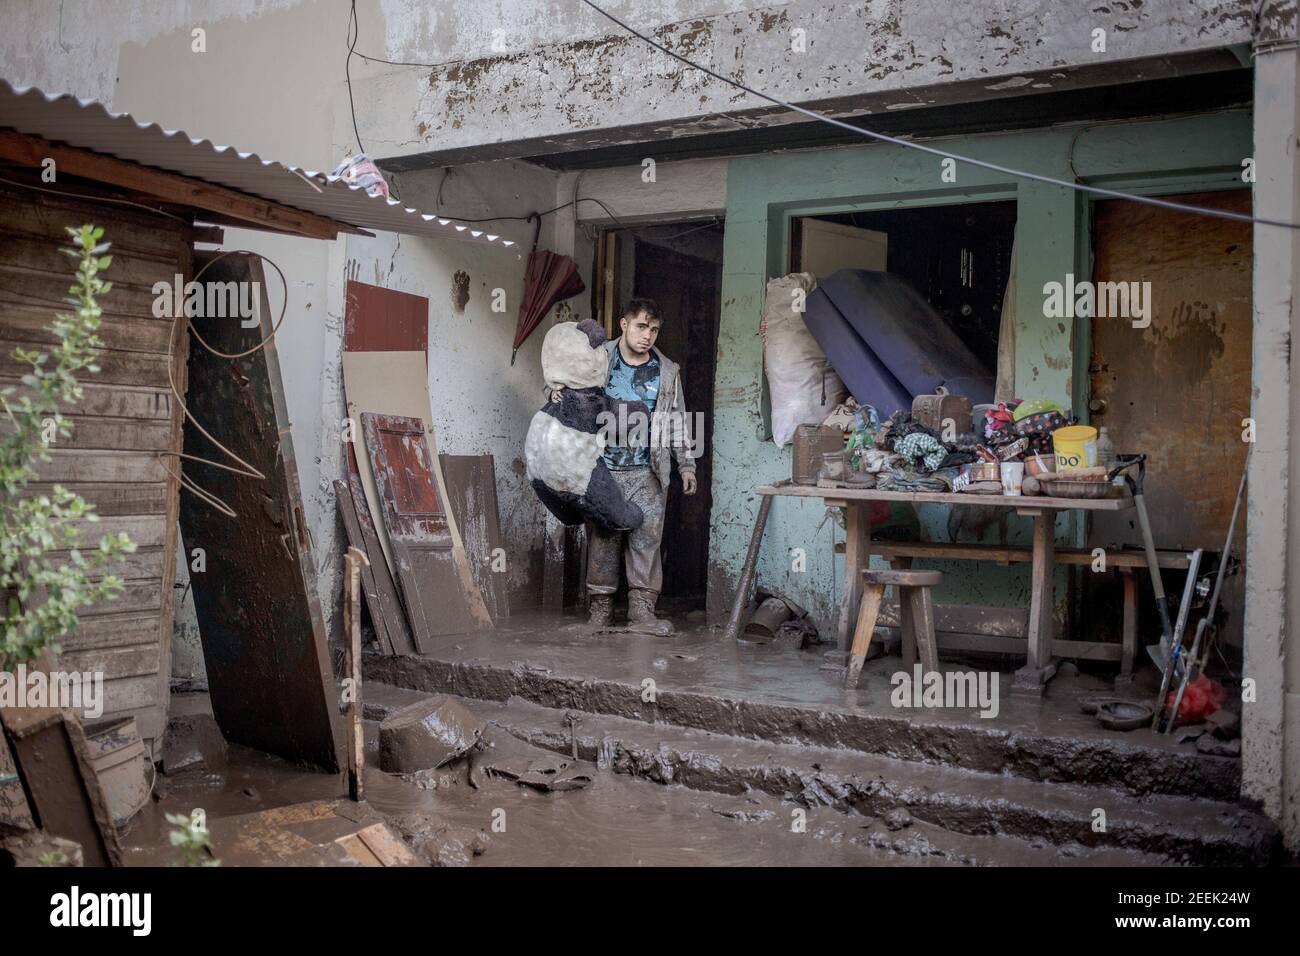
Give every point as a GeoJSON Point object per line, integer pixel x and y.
{"type": "Point", "coordinates": [247, 470]}
{"type": "Point", "coordinates": [354, 34]}
{"type": "Point", "coordinates": [982, 164]}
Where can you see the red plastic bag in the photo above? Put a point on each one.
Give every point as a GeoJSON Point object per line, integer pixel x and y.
{"type": "Point", "coordinates": [1202, 698]}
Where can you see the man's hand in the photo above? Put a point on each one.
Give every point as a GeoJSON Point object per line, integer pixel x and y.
{"type": "Point", "coordinates": [688, 482]}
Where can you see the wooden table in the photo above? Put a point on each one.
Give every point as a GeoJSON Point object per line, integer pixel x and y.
{"type": "Point", "coordinates": [856, 502]}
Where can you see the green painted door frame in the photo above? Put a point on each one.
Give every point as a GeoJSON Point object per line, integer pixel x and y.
{"type": "Point", "coordinates": [764, 192]}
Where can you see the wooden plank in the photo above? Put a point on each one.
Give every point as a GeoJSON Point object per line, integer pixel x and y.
{"type": "Point", "coordinates": [24, 323]}
{"type": "Point", "coordinates": [115, 662]}
{"type": "Point", "coordinates": [380, 606]}
{"type": "Point", "coordinates": [354, 561]}
{"type": "Point", "coordinates": [32, 151]}
{"type": "Point", "coordinates": [418, 532]}
{"type": "Point", "coordinates": [115, 368]}
{"type": "Point", "coordinates": [46, 216]}
{"type": "Point", "coordinates": [113, 498]}
{"type": "Point", "coordinates": [134, 597]}
{"type": "Point", "coordinates": [945, 498]}
{"type": "Point", "coordinates": [40, 255]}
{"type": "Point", "coordinates": [984, 552]}
{"type": "Point", "coordinates": [857, 557]}
{"type": "Point", "coordinates": [72, 465]}
{"type": "Point", "coordinates": [63, 790]}
{"type": "Point", "coordinates": [112, 630]}
{"type": "Point", "coordinates": [147, 531]}
{"type": "Point", "coordinates": [384, 320]}
{"type": "Point", "coordinates": [112, 401]}
{"type": "Point", "coordinates": [138, 565]}
{"type": "Point", "coordinates": [269, 672]}
{"type": "Point", "coordinates": [23, 287]}
{"type": "Point", "coordinates": [109, 434]}
{"type": "Point", "coordinates": [1041, 602]}
{"type": "Point", "coordinates": [472, 494]}
{"type": "Point", "coordinates": [969, 619]}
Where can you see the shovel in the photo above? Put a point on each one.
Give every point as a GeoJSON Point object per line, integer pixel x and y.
{"type": "Point", "coordinates": [1153, 562]}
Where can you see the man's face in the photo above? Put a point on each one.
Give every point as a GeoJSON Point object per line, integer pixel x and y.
{"type": "Point", "coordinates": [639, 332]}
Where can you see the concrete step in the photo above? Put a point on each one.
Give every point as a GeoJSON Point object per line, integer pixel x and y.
{"type": "Point", "coordinates": [784, 699]}
{"type": "Point", "coordinates": [964, 816]}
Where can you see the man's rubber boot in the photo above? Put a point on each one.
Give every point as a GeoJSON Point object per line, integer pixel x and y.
{"type": "Point", "coordinates": [641, 613]}
{"type": "Point", "coordinates": [600, 610]}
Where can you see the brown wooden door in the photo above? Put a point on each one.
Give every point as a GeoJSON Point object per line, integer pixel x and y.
{"type": "Point", "coordinates": [416, 519]}
{"type": "Point", "coordinates": [1178, 389]}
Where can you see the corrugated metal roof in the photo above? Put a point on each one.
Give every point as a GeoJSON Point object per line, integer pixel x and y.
{"type": "Point", "coordinates": [86, 124]}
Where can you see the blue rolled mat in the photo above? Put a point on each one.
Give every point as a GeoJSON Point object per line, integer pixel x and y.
{"type": "Point", "coordinates": [908, 340]}
{"type": "Point", "coordinates": [864, 375]}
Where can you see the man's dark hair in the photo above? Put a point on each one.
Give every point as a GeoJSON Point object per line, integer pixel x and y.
{"type": "Point", "coordinates": [648, 306]}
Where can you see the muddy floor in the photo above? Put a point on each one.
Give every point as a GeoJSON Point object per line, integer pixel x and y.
{"type": "Point", "coordinates": [617, 820]}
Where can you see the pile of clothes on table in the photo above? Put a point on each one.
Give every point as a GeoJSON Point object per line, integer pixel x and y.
{"type": "Point", "coordinates": [901, 454]}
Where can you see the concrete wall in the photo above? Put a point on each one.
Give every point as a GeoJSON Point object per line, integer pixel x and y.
{"type": "Point", "coordinates": [517, 79]}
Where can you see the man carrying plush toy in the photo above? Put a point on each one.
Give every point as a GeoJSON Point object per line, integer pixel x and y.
{"type": "Point", "coordinates": [651, 426]}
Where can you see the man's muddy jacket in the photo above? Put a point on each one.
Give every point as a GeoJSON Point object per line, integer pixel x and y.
{"type": "Point", "coordinates": [668, 421]}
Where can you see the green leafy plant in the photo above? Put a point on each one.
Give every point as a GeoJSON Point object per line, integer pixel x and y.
{"type": "Point", "coordinates": [191, 835]}
{"type": "Point", "coordinates": [44, 577]}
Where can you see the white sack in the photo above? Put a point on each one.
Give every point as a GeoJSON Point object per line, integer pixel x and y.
{"type": "Point", "coordinates": [796, 365]}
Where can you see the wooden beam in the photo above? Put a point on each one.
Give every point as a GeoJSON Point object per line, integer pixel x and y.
{"type": "Point", "coordinates": [169, 187]}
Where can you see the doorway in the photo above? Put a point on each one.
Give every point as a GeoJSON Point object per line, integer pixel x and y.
{"type": "Point", "coordinates": [679, 266]}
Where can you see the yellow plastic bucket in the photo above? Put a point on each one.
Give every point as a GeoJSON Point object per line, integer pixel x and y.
{"type": "Point", "coordinates": [1075, 447]}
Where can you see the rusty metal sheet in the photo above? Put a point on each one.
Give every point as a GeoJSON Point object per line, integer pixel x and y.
{"type": "Point", "coordinates": [259, 617]}
{"type": "Point", "coordinates": [386, 612]}
{"type": "Point", "coordinates": [418, 531]}
{"type": "Point", "coordinates": [376, 319]}
{"type": "Point", "coordinates": [472, 494]}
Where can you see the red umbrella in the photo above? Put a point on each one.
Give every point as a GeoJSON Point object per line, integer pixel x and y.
{"type": "Point", "coordinates": [549, 278]}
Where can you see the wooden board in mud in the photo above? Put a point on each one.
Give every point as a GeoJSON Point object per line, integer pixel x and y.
{"type": "Point", "coordinates": [259, 617]}
{"type": "Point", "coordinates": [472, 494]}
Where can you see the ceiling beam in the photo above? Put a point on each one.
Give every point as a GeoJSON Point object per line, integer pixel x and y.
{"type": "Point", "coordinates": [251, 211]}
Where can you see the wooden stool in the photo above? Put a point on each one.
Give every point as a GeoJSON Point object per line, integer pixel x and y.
{"type": "Point", "coordinates": [915, 613]}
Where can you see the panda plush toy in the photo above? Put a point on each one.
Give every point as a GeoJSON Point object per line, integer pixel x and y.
{"type": "Point", "coordinates": [566, 441]}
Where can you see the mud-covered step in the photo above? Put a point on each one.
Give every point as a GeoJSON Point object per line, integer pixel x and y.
{"type": "Point", "coordinates": [1062, 820]}
{"type": "Point", "coordinates": [629, 818]}
{"type": "Point", "coordinates": [1062, 747]}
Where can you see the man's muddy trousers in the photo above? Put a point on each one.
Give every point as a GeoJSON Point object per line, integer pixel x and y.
{"type": "Point", "coordinates": [638, 550]}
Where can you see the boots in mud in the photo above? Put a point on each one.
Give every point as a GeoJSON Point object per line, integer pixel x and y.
{"type": "Point", "coordinates": [600, 611]}
{"type": "Point", "coordinates": [641, 613]}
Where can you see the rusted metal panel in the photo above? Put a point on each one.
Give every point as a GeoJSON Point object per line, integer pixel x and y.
{"type": "Point", "coordinates": [472, 493]}
{"type": "Point", "coordinates": [1179, 388]}
{"type": "Point", "coordinates": [418, 532]}
{"type": "Point", "coordinates": [376, 319]}
{"type": "Point", "coordinates": [259, 617]}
